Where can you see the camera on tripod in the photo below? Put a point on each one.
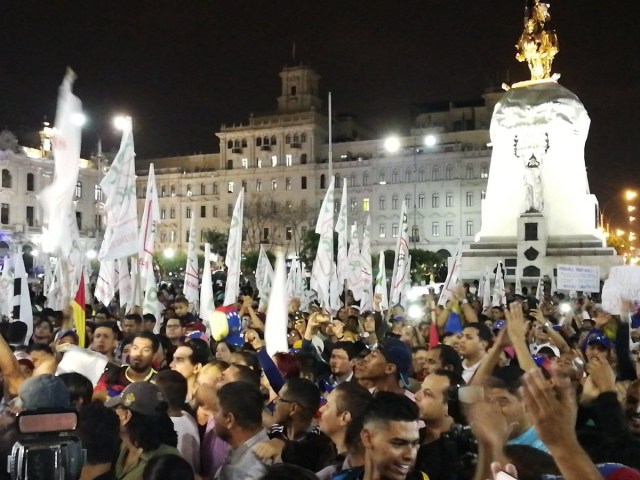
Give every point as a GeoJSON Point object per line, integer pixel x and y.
{"type": "Point", "coordinates": [47, 448]}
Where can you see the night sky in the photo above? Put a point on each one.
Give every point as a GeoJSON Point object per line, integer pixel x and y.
{"type": "Point", "coordinates": [182, 68]}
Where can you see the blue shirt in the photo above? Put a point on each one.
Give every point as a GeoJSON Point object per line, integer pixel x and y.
{"type": "Point", "coordinates": [530, 438]}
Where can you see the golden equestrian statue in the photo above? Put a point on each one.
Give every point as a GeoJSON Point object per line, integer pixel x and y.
{"type": "Point", "coordinates": [537, 46]}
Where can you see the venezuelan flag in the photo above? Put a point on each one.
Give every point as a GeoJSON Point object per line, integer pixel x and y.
{"type": "Point", "coordinates": [79, 316]}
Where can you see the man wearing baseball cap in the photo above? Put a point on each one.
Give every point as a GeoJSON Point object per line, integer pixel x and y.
{"type": "Point", "coordinates": [387, 367]}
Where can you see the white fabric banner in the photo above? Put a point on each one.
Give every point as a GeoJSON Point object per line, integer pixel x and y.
{"type": "Point", "coordinates": [150, 220]}
{"type": "Point", "coordinates": [234, 253]}
{"type": "Point", "coordinates": [191, 277]}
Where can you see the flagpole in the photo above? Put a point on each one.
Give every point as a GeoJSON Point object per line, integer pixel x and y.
{"type": "Point", "coordinates": [330, 141]}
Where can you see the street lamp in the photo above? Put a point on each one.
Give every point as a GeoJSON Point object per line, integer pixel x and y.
{"type": "Point", "coordinates": [122, 121]}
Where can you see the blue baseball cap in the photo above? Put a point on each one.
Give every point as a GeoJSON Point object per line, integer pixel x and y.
{"type": "Point", "coordinates": [398, 353]}
{"type": "Point", "coordinates": [597, 336]}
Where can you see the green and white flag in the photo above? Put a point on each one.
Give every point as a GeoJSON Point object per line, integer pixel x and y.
{"type": "Point", "coordinates": [381, 283]}
{"type": "Point", "coordinates": [234, 253]}
{"type": "Point", "coordinates": [323, 267]}
{"type": "Point", "coordinates": [264, 276]}
{"type": "Point", "coordinates": [150, 220]}
{"type": "Point", "coordinates": [151, 303]}
{"type": "Point", "coordinates": [401, 263]}
{"type": "Point", "coordinates": [191, 279]}
{"type": "Point", "coordinates": [366, 302]}
{"type": "Point", "coordinates": [343, 238]}
{"type": "Point", "coordinates": [354, 271]}
{"type": "Point", "coordinates": [119, 186]}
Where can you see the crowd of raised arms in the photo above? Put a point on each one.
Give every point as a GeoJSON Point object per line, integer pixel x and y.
{"type": "Point", "coordinates": [530, 389]}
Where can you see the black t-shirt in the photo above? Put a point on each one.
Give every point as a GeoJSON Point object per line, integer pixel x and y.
{"type": "Point", "coordinates": [313, 451]}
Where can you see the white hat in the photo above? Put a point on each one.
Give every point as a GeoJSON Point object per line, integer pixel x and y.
{"type": "Point", "coordinates": [553, 348]}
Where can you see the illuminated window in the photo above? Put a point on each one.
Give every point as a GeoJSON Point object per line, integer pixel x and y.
{"type": "Point", "coordinates": [189, 192]}
{"type": "Point", "coordinates": [230, 187]}
{"type": "Point", "coordinates": [484, 171]}
{"type": "Point", "coordinates": [274, 160]}
{"type": "Point", "coordinates": [245, 163]}
{"type": "Point", "coordinates": [79, 189]}
{"type": "Point", "coordinates": [365, 204]}
{"type": "Point", "coordinates": [289, 159]}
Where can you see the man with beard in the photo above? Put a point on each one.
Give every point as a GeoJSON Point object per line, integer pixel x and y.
{"type": "Point", "coordinates": [238, 421]}
{"type": "Point", "coordinates": [143, 348]}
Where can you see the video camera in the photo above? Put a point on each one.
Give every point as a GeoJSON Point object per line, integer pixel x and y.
{"type": "Point", "coordinates": [47, 449]}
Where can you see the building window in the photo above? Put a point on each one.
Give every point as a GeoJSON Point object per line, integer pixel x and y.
{"type": "Point", "coordinates": [407, 176]}
{"type": "Point", "coordinates": [287, 183]}
{"type": "Point", "coordinates": [421, 175]}
{"type": "Point", "coordinates": [203, 189]}
{"type": "Point", "coordinates": [383, 231]}
{"type": "Point", "coordinates": [259, 162]}
{"type": "Point", "coordinates": [303, 138]}
{"type": "Point", "coordinates": [394, 202]}
{"type": "Point", "coordinates": [469, 171]}
{"type": "Point", "coordinates": [303, 159]}
{"type": "Point", "coordinates": [287, 139]}
{"type": "Point", "coordinates": [435, 229]}
{"type": "Point", "coordinates": [189, 191]}
{"type": "Point", "coordinates": [97, 193]}
{"type": "Point", "coordinates": [244, 186]}
{"type": "Point", "coordinates": [394, 176]}
{"type": "Point", "coordinates": [274, 207]}
{"type": "Point", "coordinates": [172, 212]}
{"type": "Point", "coordinates": [203, 236]}
{"type": "Point", "coordinates": [449, 229]}
{"type": "Point", "coordinates": [365, 204]}
{"type": "Point", "coordinates": [407, 200]}
{"type": "Point", "coordinates": [435, 174]}
{"type": "Point", "coordinates": [336, 206]}
{"type": "Point", "coordinates": [163, 237]}
{"type": "Point", "coordinates": [203, 211]}
{"type": "Point", "coordinates": [30, 216]}
{"type": "Point", "coordinates": [365, 179]}
{"type": "Point", "coordinates": [323, 182]}
{"type": "Point", "coordinates": [274, 184]}
{"type": "Point", "coordinates": [381, 203]}
{"type": "Point", "coordinates": [188, 213]}
{"type": "Point", "coordinates": [230, 210]}
{"type": "Point", "coordinates": [484, 171]}
{"type": "Point", "coordinates": [187, 236]}
{"type": "Point", "coordinates": [483, 195]}
{"type": "Point", "coordinates": [288, 233]}
{"type": "Point", "coordinates": [230, 187]}
{"type": "Point", "coordinates": [230, 144]}
{"type": "Point", "coordinates": [273, 140]}
{"type": "Point", "coordinates": [304, 183]}
{"type": "Point", "coordinates": [79, 189]}
{"type": "Point", "coordinates": [435, 200]}
{"type": "Point", "coordinates": [215, 188]}
{"type": "Point", "coordinates": [469, 199]}
{"type": "Point", "coordinates": [274, 160]}
{"type": "Point", "coordinates": [258, 185]}
{"type": "Point", "coordinates": [448, 174]}
{"type": "Point", "coordinates": [163, 190]}
{"type": "Point", "coordinates": [4, 214]}
{"type": "Point", "coordinates": [381, 178]}
{"type": "Point", "coordinates": [6, 178]}
{"type": "Point", "coordinates": [265, 234]}
{"type": "Point", "coordinates": [289, 159]}
{"type": "Point", "coordinates": [79, 220]}
{"type": "Point", "coordinates": [245, 163]}
{"type": "Point", "coordinates": [354, 205]}
{"type": "Point", "coordinates": [30, 182]}
{"type": "Point", "coordinates": [337, 184]}
{"type": "Point", "coordinates": [449, 199]}
{"type": "Point", "coordinates": [394, 230]}
{"type": "Point", "coordinates": [421, 200]}
{"type": "Point", "coordinates": [173, 190]}
{"type": "Point", "coordinates": [215, 211]}
{"type": "Point", "coordinates": [470, 231]}
{"type": "Point", "coordinates": [163, 214]}
{"type": "Point", "coordinates": [230, 164]}
{"type": "Point", "coordinates": [296, 138]}
{"type": "Point", "coordinates": [352, 180]}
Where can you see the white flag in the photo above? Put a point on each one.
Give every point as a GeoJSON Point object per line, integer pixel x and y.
{"type": "Point", "coordinates": [453, 277]}
{"type": "Point", "coordinates": [366, 302]}
{"type": "Point", "coordinates": [54, 293]}
{"type": "Point", "coordinates": [137, 296]}
{"type": "Point", "coordinates": [343, 237]}
{"type": "Point", "coordinates": [22, 309]}
{"type": "Point", "coordinates": [57, 198]}
{"type": "Point", "coordinates": [151, 303]}
{"type": "Point", "coordinates": [401, 263]}
{"type": "Point", "coordinates": [191, 277]}
{"type": "Point", "coordinates": [323, 266]}
{"type": "Point", "coordinates": [105, 285]}
{"type": "Point", "coordinates": [6, 288]}
{"type": "Point", "coordinates": [499, 294]}
{"type": "Point", "coordinates": [354, 268]}
{"type": "Point", "coordinates": [207, 305]}
{"type": "Point", "coordinates": [234, 253]}
{"type": "Point", "coordinates": [381, 282]}
{"type": "Point", "coordinates": [275, 330]}
{"type": "Point", "coordinates": [124, 283]}
{"type": "Point", "coordinates": [119, 186]}
{"type": "Point", "coordinates": [264, 275]}
{"type": "Point", "coordinates": [518, 286]}
{"type": "Point", "coordinates": [540, 290]}
{"type": "Point", "coordinates": [334, 291]}
{"type": "Point", "coordinates": [486, 292]}
{"type": "Point", "coordinates": [150, 220]}
{"type": "Point", "coordinates": [404, 301]}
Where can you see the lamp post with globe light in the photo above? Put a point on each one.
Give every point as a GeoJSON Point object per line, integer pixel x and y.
{"type": "Point", "coordinates": [630, 197]}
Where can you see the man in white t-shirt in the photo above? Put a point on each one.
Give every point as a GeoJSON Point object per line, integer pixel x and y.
{"type": "Point", "coordinates": [476, 339]}
{"type": "Point", "coordinates": [174, 386]}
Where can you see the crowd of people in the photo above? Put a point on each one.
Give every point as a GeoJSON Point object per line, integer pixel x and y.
{"type": "Point", "coordinates": [533, 390]}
